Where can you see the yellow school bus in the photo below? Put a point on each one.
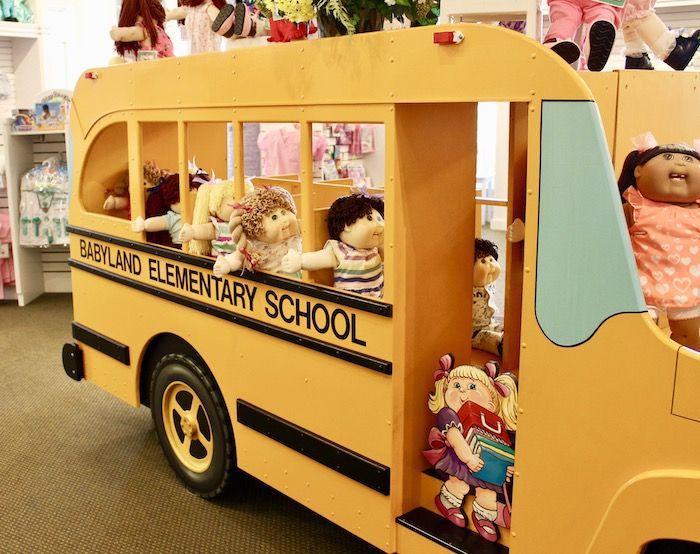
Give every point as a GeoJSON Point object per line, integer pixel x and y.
{"type": "Point", "coordinates": [322, 393]}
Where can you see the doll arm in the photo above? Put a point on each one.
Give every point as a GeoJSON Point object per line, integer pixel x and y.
{"type": "Point", "coordinates": [629, 213]}
{"type": "Point", "coordinates": [127, 34]}
{"type": "Point", "coordinates": [228, 263]}
{"type": "Point", "coordinates": [516, 230]}
{"type": "Point", "coordinates": [151, 224]}
{"type": "Point", "coordinates": [176, 13]}
{"type": "Point", "coordinates": [201, 231]}
{"type": "Point", "coordinates": [115, 203]}
{"type": "Point", "coordinates": [293, 261]}
{"type": "Point", "coordinates": [461, 448]}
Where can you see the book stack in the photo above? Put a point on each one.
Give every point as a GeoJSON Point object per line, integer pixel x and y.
{"type": "Point", "coordinates": [486, 435]}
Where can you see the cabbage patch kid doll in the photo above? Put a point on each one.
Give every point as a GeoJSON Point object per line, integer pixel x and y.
{"type": "Point", "coordinates": [141, 29]}
{"type": "Point", "coordinates": [356, 229]}
{"type": "Point", "coordinates": [209, 232]}
{"type": "Point", "coordinates": [470, 447]}
{"type": "Point", "coordinates": [266, 222]}
{"type": "Point", "coordinates": [661, 187]}
{"type": "Point", "coordinates": [485, 336]}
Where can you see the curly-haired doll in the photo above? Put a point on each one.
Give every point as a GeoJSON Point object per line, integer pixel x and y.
{"type": "Point", "coordinates": [356, 229]}
{"type": "Point", "coordinates": [660, 185]}
{"type": "Point", "coordinates": [266, 228]}
{"type": "Point", "coordinates": [485, 335]}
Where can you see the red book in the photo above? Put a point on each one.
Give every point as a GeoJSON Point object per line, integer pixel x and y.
{"type": "Point", "coordinates": [476, 419]}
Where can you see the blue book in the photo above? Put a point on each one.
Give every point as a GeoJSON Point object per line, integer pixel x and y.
{"type": "Point", "coordinates": [496, 462]}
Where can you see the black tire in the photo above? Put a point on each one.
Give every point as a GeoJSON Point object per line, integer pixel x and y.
{"type": "Point", "coordinates": [175, 378]}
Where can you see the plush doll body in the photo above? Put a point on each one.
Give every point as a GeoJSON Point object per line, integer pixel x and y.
{"type": "Point", "coordinates": [661, 187]}
{"type": "Point", "coordinates": [641, 27]}
{"type": "Point", "coordinates": [467, 399]}
{"type": "Point", "coordinates": [566, 17]}
{"type": "Point", "coordinates": [266, 228]}
{"type": "Point", "coordinates": [140, 28]}
{"type": "Point", "coordinates": [485, 335]}
{"type": "Point", "coordinates": [209, 232]}
{"type": "Point", "coordinates": [356, 228]}
{"type": "Point", "coordinates": [197, 17]}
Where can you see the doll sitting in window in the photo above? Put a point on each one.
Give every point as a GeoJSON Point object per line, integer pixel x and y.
{"type": "Point", "coordinates": [356, 229]}
{"type": "Point", "coordinates": [486, 334]}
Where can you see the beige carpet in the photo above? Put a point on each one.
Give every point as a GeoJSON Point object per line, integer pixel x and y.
{"type": "Point", "coordinates": [81, 472]}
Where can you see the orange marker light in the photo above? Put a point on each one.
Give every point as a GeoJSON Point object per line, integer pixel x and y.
{"type": "Point", "coordinates": [91, 75]}
{"type": "Point", "coordinates": [448, 37]}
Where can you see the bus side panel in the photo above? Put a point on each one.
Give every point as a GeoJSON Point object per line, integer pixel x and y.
{"type": "Point", "coordinates": [351, 505]}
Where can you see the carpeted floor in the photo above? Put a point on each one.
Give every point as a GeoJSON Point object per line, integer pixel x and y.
{"type": "Point", "coordinates": [81, 472]}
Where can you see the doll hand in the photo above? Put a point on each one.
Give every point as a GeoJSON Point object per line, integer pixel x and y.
{"type": "Point", "coordinates": [291, 263]}
{"type": "Point", "coordinates": [115, 33]}
{"type": "Point", "coordinates": [509, 473]}
{"type": "Point", "coordinates": [187, 233]}
{"type": "Point", "coordinates": [138, 225]}
{"type": "Point", "coordinates": [109, 204]}
{"type": "Point", "coordinates": [475, 463]}
{"type": "Point", "coordinates": [516, 230]}
{"type": "Point", "coordinates": [221, 267]}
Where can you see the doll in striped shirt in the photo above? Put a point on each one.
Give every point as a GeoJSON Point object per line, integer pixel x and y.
{"type": "Point", "coordinates": [356, 229]}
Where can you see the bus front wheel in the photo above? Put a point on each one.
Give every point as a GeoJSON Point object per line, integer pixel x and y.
{"type": "Point", "coordinates": [192, 425]}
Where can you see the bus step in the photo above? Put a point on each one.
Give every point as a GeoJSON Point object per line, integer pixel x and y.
{"type": "Point", "coordinates": [440, 531]}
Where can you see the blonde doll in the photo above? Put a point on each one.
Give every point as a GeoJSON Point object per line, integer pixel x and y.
{"type": "Point", "coordinates": [474, 406]}
{"type": "Point", "coordinates": [209, 232]}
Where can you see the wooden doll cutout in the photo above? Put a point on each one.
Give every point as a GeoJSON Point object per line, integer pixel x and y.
{"type": "Point", "coordinates": [470, 447]}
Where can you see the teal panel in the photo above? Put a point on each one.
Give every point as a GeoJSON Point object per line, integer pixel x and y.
{"type": "Point", "coordinates": [585, 266]}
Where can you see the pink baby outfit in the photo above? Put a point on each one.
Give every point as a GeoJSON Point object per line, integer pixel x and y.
{"type": "Point", "coordinates": [7, 272]}
{"type": "Point", "coordinates": [280, 150]}
{"type": "Point", "coordinates": [566, 17]}
{"type": "Point", "coordinates": [164, 46]}
{"type": "Point", "coordinates": [666, 243]}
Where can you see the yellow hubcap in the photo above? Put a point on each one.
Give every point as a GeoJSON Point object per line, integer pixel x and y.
{"type": "Point", "coordinates": [187, 427]}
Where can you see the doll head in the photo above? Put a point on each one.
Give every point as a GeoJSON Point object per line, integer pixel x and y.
{"type": "Point", "coordinates": [357, 220]}
{"type": "Point", "coordinates": [486, 266]}
{"type": "Point", "coordinates": [269, 215]}
{"type": "Point", "coordinates": [454, 386]}
{"type": "Point", "coordinates": [663, 173]}
{"type": "Point", "coordinates": [151, 12]}
{"type": "Point", "coordinates": [213, 200]}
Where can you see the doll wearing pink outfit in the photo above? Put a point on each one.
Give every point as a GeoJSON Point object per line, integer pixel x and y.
{"type": "Point", "coordinates": [566, 17]}
{"type": "Point", "coordinates": [641, 27]}
{"type": "Point", "coordinates": [661, 186]}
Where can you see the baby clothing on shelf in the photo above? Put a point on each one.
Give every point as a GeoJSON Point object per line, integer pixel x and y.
{"type": "Point", "coordinates": [7, 271]}
{"type": "Point", "coordinates": [44, 205]}
{"type": "Point", "coordinates": [279, 149]}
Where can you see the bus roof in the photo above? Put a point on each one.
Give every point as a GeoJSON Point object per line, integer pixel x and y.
{"type": "Point", "coordinates": [393, 67]}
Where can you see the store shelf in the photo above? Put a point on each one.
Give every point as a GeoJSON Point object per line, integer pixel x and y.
{"type": "Point", "coordinates": [10, 29]}
{"type": "Point", "coordinates": [37, 133]}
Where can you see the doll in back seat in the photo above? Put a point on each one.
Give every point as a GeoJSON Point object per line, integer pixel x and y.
{"type": "Point", "coordinates": [486, 335]}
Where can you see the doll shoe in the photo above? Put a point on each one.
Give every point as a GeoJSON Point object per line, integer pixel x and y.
{"type": "Point", "coordinates": [503, 517]}
{"type": "Point", "coordinates": [487, 529]}
{"type": "Point", "coordinates": [683, 53]}
{"type": "Point", "coordinates": [244, 25]}
{"type": "Point", "coordinates": [452, 514]}
{"type": "Point", "coordinates": [641, 62]}
{"type": "Point", "coordinates": [224, 23]}
{"type": "Point", "coordinates": [566, 49]}
{"type": "Point", "coordinates": [601, 38]}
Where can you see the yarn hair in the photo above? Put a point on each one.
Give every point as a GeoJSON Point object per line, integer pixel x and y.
{"type": "Point", "coordinates": [260, 203]}
{"type": "Point", "coordinates": [209, 199]}
{"type": "Point", "coordinates": [346, 210]}
{"type": "Point", "coordinates": [635, 158]}
{"type": "Point", "coordinates": [152, 16]}
{"type": "Point", "coordinates": [484, 248]}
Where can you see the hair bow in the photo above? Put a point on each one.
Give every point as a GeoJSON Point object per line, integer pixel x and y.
{"type": "Point", "coordinates": [491, 369]}
{"type": "Point", "coordinates": [362, 189]}
{"type": "Point", "coordinates": [447, 362]}
{"type": "Point", "coordinates": [645, 141]}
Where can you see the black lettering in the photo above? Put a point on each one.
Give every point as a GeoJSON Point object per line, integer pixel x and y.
{"type": "Point", "coordinates": [217, 291]}
{"type": "Point", "coordinates": [194, 282]}
{"type": "Point", "coordinates": [205, 284]}
{"type": "Point", "coordinates": [238, 294]}
{"type": "Point", "coordinates": [303, 313]}
{"type": "Point", "coordinates": [181, 277]}
{"type": "Point", "coordinates": [90, 252]}
{"type": "Point", "coordinates": [226, 292]}
{"type": "Point", "coordinates": [251, 292]}
{"type": "Point", "coordinates": [137, 265]}
{"type": "Point", "coordinates": [291, 303]}
{"type": "Point", "coordinates": [120, 260]}
{"type": "Point", "coordinates": [353, 326]}
{"type": "Point", "coordinates": [152, 267]}
{"type": "Point", "coordinates": [314, 317]}
{"type": "Point", "coordinates": [338, 312]}
{"type": "Point", "coordinates": [107, 256]}
{"type": "Point", "coordinates": [83, 249]}
{"type": "Point", "coordinates": [271, 308]}
{"type": "Point", "coordinates": [170, 274]}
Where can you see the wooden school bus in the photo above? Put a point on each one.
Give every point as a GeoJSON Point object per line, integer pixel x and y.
{"type": "Point", "coordinates": [322, 393]}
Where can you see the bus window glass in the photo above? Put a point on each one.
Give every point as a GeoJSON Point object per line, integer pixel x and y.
{"type": "Point", "coordinates": [105, 180]}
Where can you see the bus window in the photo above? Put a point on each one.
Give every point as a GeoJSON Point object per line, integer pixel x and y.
{"type": "Point", "coordinates": [105, 186]}
{"type": "Point", "coordinates": [207, 147]}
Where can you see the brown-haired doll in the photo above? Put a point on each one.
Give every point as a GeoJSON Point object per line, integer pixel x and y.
{"type": "Point", "coordinates": [141, 27]}
{"type": "Point", "coordinates": [356, 229]}
{"type": "Point", "coordinates": [485, 335]}
{"type": "Point", "coordinates": [660, 185]}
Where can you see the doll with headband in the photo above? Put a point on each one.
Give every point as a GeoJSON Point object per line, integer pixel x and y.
{"type": "Point", "coordinates": [470, 446]}
{"type": "Point", "coordinates": [141, 28]}
{"type": "Point", "coordinates": [660, 187]}
{"type": "Point", "coordinates": [209, 233]}
{"type": "Point", "coordinates": [356, 229]}
{"type": "Point", "coordinates": [266, 228]}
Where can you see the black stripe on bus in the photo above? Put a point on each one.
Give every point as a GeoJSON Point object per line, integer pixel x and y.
{"type": "Point", "coordinates": [370, 362]}
{"type": "Point", "coordinates": [101, 343]}
{"type": "Point", "coordinates": [338, 297]}
{"type": "Point", "coordinates": [346, 462]}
